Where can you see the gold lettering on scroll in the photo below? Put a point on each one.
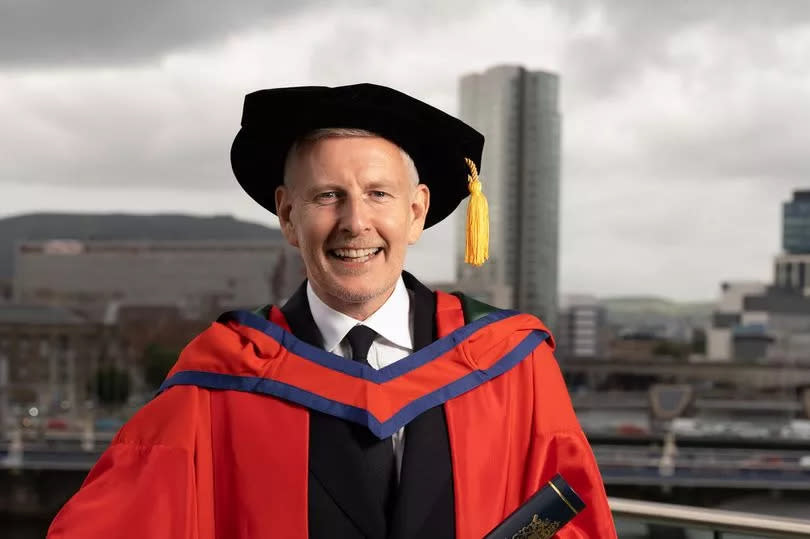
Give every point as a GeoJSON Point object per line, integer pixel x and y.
{"type": "Point", "coordinates": [538, 529]}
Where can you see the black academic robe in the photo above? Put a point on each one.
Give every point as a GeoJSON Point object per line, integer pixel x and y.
{"type": "Point", "coordinates": [339, 506]}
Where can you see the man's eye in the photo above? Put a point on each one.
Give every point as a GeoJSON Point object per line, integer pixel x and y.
{"type": "Point", "coordinates": [379, 194]}
{"type": "Point", "coordinates": [327, 196]}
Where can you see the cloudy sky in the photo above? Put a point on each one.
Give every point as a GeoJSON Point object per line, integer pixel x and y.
{"type": "Point", "coordinates": [686, 124]}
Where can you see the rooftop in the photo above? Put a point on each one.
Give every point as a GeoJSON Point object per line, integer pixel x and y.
{"type": "Point", "coordinates": [16, 313]}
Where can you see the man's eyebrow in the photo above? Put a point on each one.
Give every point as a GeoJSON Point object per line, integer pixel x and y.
{"type": "Point", "coordinates": [325, 186]}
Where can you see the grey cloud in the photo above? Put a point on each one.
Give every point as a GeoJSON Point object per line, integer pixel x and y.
{"type": "Point", "coordinates": [147, 126]}
{"type": "Point", "coordinates": [770, 146]}
{"type": "Point", "coordinates": [643, 236]}
{"type": "Point", "coordinates": [642, 19]}
{"type": "Point", "coordinates": [736, 102]}
{"type": "Point", "coordinates": [95, 32]}
{"type": "Point", "coordinates": [641, 32]}
{"type": "Point", "coordinates": [101, 131]}
{"type": "Point", "coordinates": [45, 33]}
{"type": "Point", "coordinates": [625, 144]}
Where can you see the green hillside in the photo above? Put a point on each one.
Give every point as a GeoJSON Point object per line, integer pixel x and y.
{"type": "Point", "coordinates": [637, 309]}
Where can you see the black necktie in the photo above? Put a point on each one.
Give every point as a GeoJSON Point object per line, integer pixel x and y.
{"type": "Point", "coordinates": [379, 454]}
{"type": "Point", "coordinates": [360, 339]}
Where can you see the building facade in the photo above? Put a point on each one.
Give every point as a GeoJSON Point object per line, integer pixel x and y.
{"type": "Point", "coordinates": [796, 224]}
{"type": "Point", "coordinates": [199, 277]}
{"type": "Point", "coordinates": [46, 355]}
{"type": "Point", "coordinates": [517, 111]}
{"type": "Point", "coordinates": [728, 317]}
{"type": "Point", "coordinates": [792, 267]}
{"type": "Point", "coordinates": [581, 328]}
{"type": "Point", "coordinates": [759, 323]}
{"type": "Point", "coordinates": [770, 323]}
{"type": "Point", "coordinates": [792, 272]}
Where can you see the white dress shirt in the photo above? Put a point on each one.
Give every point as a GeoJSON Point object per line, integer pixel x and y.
{"type": "Point", "coordinates": [393, 322]}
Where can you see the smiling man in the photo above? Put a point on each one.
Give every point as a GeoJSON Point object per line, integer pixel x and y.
{"type": "Point", "coordinates": [367, 406]}
{"type": "Point", "coordinates": [351, 203]}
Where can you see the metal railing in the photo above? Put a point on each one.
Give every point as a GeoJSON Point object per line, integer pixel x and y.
{"type": "Point", "coordinates": [720, 522]}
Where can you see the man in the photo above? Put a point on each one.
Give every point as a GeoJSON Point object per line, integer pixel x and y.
{"type": "Point", "coordinates": [367, 406]}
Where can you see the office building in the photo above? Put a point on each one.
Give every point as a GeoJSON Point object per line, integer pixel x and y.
{"type": "Point", "coordinates": [792, 272]}
{"type": "Point", "coordinates": [45, 353]}
{"type": "Point", "coordinates": [792, 267]}
{"type": "Point", "coordinates": [754, 322]}
{"type": "Point", "coordinates": [796, 224]}
{"type": "Point", "coordinates": [581, 328]}
{"type": "Point", "coordinates": [517, 111]}
{"type": "Point", "coordinates": [200, 277]}
{"type": "Point", "coordinates": [728, 317]}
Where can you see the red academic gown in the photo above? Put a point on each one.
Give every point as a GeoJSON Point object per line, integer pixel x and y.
{"type": "Point", "coordinates": [222, 452]}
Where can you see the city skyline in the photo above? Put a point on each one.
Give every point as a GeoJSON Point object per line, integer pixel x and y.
{"type": "Point", "coordinates": [683, 126]}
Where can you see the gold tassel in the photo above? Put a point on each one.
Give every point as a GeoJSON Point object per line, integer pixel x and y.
{"type": "Point", "coordinates": [477, 247]}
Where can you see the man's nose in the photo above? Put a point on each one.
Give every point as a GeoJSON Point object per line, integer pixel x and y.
{"type": "Point", "coordinates": [354, 215]}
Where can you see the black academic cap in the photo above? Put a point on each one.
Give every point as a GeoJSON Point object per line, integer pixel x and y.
{"type": "Point", "coordinates": [272, 120]}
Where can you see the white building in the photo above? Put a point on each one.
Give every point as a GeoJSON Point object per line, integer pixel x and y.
{"type": "Point", "coordinates": [728, 315]}
{"type": "Point", "coordinates": [759, 323]}
{"type": "Point", "coordinates": [581, 327]}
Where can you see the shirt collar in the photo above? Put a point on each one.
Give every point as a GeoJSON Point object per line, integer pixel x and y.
{"type": "Point", "coordinates": [391, 321]}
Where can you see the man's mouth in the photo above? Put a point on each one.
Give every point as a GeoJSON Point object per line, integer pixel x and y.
{"type": "Point", "coordinates": [355, 255]}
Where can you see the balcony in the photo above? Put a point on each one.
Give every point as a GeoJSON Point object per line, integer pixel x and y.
{"type": "Point", "coordinates": [642, 520]}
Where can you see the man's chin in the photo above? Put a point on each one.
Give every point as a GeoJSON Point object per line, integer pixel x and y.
{"type": "Point", "coordinates": [357, 289]}
{"type": "Point", "coordinates": [355, 294]}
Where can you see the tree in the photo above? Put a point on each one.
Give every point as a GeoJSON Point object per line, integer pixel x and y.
{"type": "Point", "coordinates": [671, 349]}
{"type": "Point", "coordinates": [157, 361]}
{"type": "Point", "coordinates": [699, 341]}
{"type": "Point", "coordinates": [112, 385]}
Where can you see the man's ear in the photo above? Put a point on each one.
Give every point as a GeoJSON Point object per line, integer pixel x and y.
{"type": "Point", "coordinates": [420, 203]}
{"type": "Point", "coordinates": [284, 200]}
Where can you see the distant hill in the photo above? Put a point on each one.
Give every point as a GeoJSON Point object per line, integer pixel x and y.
{"type": "Point", "coordinates": [45, 226]}
{"type": "Point", "coordinates": [630, 310]}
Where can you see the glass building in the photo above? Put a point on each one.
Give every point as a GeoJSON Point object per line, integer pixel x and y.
{"type": "Point", "coordinates": [796, 224]}
{"type": "Point", "coordinates": [792, 268]}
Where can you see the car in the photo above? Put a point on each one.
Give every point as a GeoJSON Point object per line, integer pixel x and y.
{"type": "Point", "coordinates": [631, 429]}
{"type": "Point", "coordinates": [56, 423]}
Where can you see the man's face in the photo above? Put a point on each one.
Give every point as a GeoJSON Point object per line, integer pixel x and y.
{"type": "Point", "coordinates": [352, 209]}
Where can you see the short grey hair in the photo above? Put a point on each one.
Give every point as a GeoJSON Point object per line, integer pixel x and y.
{"type": "Point", "coordinates": [341, 132]}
